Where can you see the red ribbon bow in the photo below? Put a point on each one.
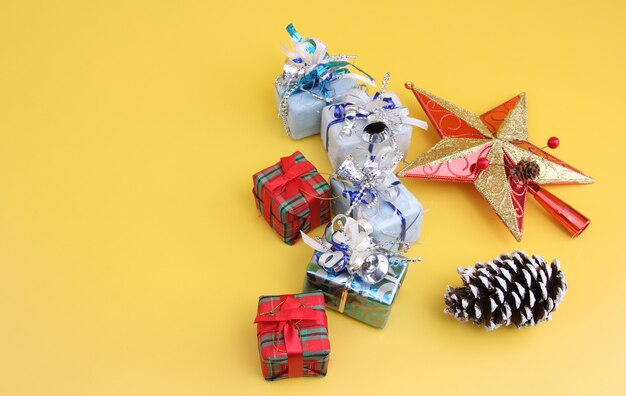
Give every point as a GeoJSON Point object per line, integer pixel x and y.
{"type": "Point", "coordinates": [291, 314]}
{"type": "Point", "coordinates": [290, 182]}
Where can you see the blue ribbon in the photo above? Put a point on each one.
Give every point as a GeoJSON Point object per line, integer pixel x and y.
{"type": "Point", "coordinates": [402, 220]}
{"type": "Point", "coordinates": [354, 195]}
{"type": "Point", "coordinates": [314, 78]}
{"type": "Point", "coordinates": [310, 48]}
{"type": "Point", "coordinates": [335, 247]}
{"type": "Point", "coordinates": [339, 111]}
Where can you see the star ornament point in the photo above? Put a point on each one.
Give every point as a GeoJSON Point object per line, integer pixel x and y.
{"type": "Point", "coordinates": [501, 137]}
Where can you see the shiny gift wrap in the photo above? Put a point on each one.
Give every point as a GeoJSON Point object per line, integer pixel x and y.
{"type": "Point", "coordinates": [368, 303]}
{"type": "Point", "coordinates": [292, 196]}
{"type": "Point", "coordinates": [357, 275]}
{"type": "Point", "coordinates": [393, 221]}
{"type": "Point", "coordinates": [362, 125]}
{"type": "Point", "coordinates": [292, 333]}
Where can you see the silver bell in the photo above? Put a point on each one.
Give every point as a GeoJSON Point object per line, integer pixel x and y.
{"type": "Point", "coordinates": [350, 170]}
{"type": "Point", "coordinates": [374, 268]}
{"type": "Point", "coordinates": [376, 132]}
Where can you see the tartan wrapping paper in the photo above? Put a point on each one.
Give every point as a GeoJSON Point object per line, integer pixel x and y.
{"type": "Point", "coordinates": [369, 304]}
{"type": "Point", "coordinates": [315, 343]}
{"type": "Point", "coordinates": [290, 214]}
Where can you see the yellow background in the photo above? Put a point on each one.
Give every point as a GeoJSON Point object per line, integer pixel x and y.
{"type": "Point", "coordinates": [131, 253]}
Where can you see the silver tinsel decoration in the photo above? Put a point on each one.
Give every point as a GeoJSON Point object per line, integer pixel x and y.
{"type": "Point", "coordinates": [513, 289]}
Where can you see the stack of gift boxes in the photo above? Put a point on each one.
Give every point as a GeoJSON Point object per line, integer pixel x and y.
{"type": "Point", "coordinates": [358, 264]}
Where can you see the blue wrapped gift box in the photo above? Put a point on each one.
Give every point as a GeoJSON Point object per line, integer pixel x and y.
{"type": "Point", "coordinates": [392, 221]}
{"type": "Point", "coordinates": [339, 145]}
{"type": "Point", "coordinates": [304, 109]}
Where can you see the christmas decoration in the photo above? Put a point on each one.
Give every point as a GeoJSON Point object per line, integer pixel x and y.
{"type": "Point", "coordinates": [292, 196]}
{"type": "Point", "coordinates": [361, 125]}
{"type": "Point", "coordinates": [312, 79]}
{"type": "Point", "coordinates": [486, 150]}
{"type": "Point", "coordinates": [372, 192]}
{"type": "Point", "coordinates": [513, 289]}
{"type": "Point", "coordinates": [292, 332]}
{"type": "Point", "coordinates": [357, 276]}
{"type": "Point", "coordinates": [553, 142]}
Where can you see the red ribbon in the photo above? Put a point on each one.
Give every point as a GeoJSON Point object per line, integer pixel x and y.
{"type": "Point", "coordinates": [291, 314]}
{"type": "Point", "coordinates": [291, 183]}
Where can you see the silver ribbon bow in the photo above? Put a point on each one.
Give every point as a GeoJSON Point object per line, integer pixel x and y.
{"type": "Point", "coordinates": [308, 61]}
{"type": "Point", "coordinates": [382, 121]}
{"type": "Point", "coordinates": [375, 176]}
{"type": "Point", "coordinates": [362, 257]}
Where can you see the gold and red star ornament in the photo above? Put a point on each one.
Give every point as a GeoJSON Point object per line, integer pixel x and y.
{"type": "Point", "coordinates": [493, 152]}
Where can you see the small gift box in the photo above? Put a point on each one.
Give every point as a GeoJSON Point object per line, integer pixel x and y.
{"type": "Point", "coordinates": [372, 192]}
{"type": "Point", "coordinates": [292, 332]}
{"type": "Point", "coordinates": [292, 196]}
{"type": "Point", "coordinates": [395, 221]}
{"type": "Point", "coordinates": [358, 278]}
{"type": "Point", "coordinates": [362, 125]}
{"type": "Point", "coordinates": [311, 79]}
{"type": "Point", "coordinates": [302, 110]}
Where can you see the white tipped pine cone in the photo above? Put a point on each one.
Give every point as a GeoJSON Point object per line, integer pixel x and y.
{"type": "Point", "coordinates": [512, 289]}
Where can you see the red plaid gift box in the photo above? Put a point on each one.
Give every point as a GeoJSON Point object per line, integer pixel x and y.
{"type": "Point", "coordinates": [293, 336]}
{"type": "Point", "coordinates": [292, 196]}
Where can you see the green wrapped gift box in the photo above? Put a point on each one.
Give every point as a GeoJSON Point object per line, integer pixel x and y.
{"type": "Point", "coordinates": [368, 303]}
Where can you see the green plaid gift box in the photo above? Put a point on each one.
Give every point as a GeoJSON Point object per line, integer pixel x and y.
{"type": "Point", "coordinates": [292, 332]}
{"type": "Point", "coordinates": [292, 196]}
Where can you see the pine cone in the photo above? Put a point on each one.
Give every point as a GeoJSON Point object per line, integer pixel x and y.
{"type": "Point", "coordinates": [512, 289]}
{"type": "Point", "coordinates": [527, 169]}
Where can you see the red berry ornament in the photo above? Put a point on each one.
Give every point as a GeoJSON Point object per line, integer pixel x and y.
{"type": "Point", "coordinates": [553, 142]}
{"type": "Point", "coordinates": [482, 163]}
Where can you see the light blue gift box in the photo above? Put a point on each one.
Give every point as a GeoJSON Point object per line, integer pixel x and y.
{"type": "Point", "coordinates": [304, 111]}
{"type": "Point", "coordinates": [385, 217]}
{"type": "Point", "coordinates": [339, 145]}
